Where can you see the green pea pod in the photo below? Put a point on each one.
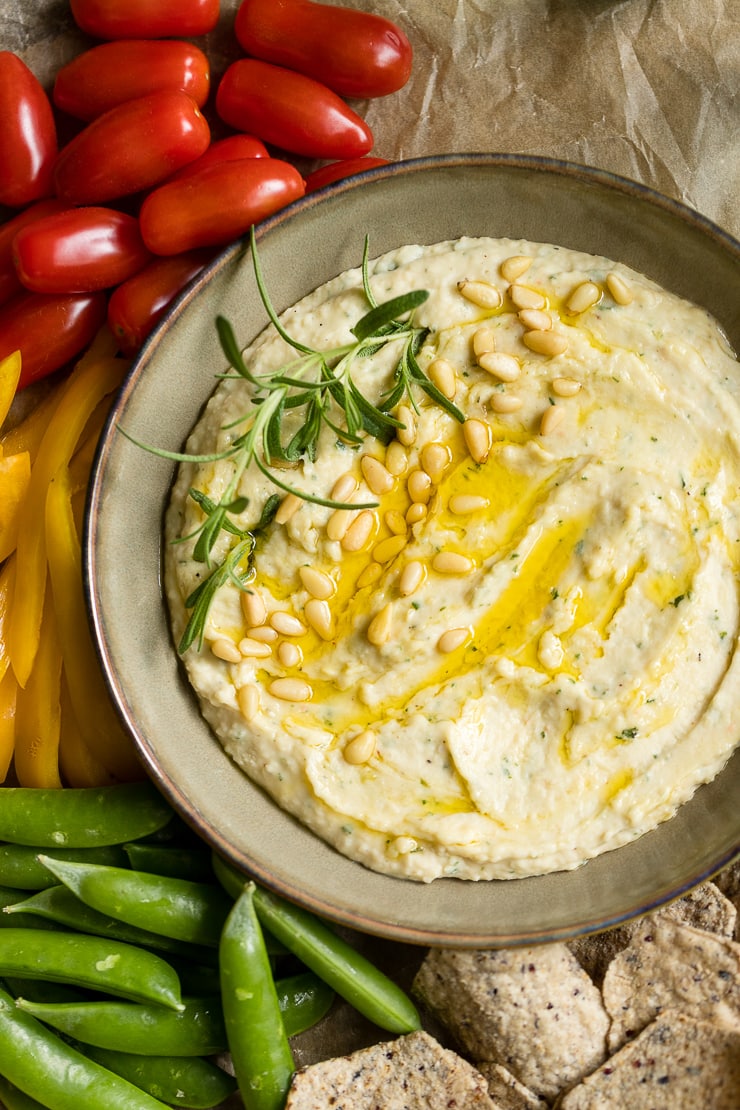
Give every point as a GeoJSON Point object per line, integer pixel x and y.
{"type": "Point", "coordinates": [81, 817]}
{"type": "Point", "coordinates": [59, 905]}
{"type": "Point", "coordinates": [38, 990]}
{"type": "Point", "coordinates": [177, 862]}
{"type": "Point", "coordinates": [14, 1099]}
{"type": "Point", "coordinates": [98, 963]}
{"type": "Point", "coordinates": [9, 897]}
{"type": "Point", "coordinates": [258, 1043]}
{"type": "Point", "coordinates": [38, 1062]}
{"type": "Point", "coordinates": [303, 1000]}
{"type": "Point", "coordinates": [233, 883]}
{"type": "Point", "coordinates": [340, 965]}
{"type": "Point", "coordinates": [20, 867]}
{"type": "Point", "coordinates": [188, 1081]}
{"type": "Point", "coordinates": [196, 1030]}
{"type": "Point", "coordinates": [177, 908]}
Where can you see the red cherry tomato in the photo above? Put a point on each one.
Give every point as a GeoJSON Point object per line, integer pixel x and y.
{"type": "Point", "coordinates": [217, 205]}
{"type": "Point", "coordinates": [290, 111]}
{"type": "Point", "coordinates": [79, 250]}
{"type": "Point", "coordinates": [336, 171]}
{"type": "Point", "coordinates": [354, 53]}
{"type": "Point", "coordinates": [232, 149]}
{"type": "Point", "coordinates": [28, 138]}
{"type": "Point", "coordinates": [49, 330]}
{"type": "Point", "coordinates": [130, 148]}
{"type": "Point", "coordinates": [9, 280]}
{"type": "Point", "coordinates": [146, 19]}
{"type": "Point", "coordinates": [114, 72]}
{"type": "Point", "coordinates": [137, 304]}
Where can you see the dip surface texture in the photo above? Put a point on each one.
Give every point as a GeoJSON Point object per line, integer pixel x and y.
{"type": "Point", "coordinates": [520, 653]}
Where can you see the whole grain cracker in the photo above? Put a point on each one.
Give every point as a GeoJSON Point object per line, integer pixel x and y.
{"type": "Point", "coordinates": [413, 1072]}
{"type": "Point", "coordinates": [534, 1010]}
{"type": "Point", "coordinates": [676, 1062]}
{"type": "Point", "coordinates": [506, 1090]}
{"type": "Point", "coordinates": [669, 965]}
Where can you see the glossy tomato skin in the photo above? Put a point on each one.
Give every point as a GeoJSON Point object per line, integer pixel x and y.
{"type": "Point", "coordinates": [231, 149]}
{"type": "Point", "coordinates": [114, 72]}
{"type": "Point", "coordinates": [9, 280]}
{"type": "Point", "coordinates": [217, 205]}
{"type": "Point", "coordinates": [146, 19]}
{"type": "Point", "coordinates": [337, 171]}
{"type": "Point", "coordinates": [290, 111]}
{"type": "Point", "coordinates": [49, 330]}
{"type": "Point", "coordinates": [357, 54]}
{"type": "Point", "coordinates": [79, 251]}
{"type": "Point", "coordinates": [130, 148]}
{"type": "Point", "coordinates": [28, 138]}
{"type": "Point", "coordinates": [138, 304]}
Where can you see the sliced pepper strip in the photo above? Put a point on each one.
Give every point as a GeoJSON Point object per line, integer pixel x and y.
{"type": "Point", "coordinates": [10, 372]}
{"type": "Point", "coordinates": [37, 710]}
{"type": "Point", "coordinates": [15, 475]}
{"type": "Point", "coordinates": [77, 764]}
{"type": "Point", "coordinates": [7, 583]}
{"type": "Point", "coordinates": [8, 689]}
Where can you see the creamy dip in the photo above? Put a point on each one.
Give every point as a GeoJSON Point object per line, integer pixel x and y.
{"type": "Point", "coordinates": [523, 654]}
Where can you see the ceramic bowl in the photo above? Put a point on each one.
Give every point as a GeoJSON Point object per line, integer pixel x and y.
{"type": "Point", "coordinates": [425, 201]}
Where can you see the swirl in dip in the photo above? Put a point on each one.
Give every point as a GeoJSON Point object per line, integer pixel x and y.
{"type": "Point", "coordinates": [523, 654]}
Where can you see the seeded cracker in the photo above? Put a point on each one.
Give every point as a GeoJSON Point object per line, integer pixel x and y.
{"type": "Point", "coordinates": [668, 965]}
{"type": "Point", "coordinates": [507, 1092]}
{"type": "Point", "coordinates": [676, 1062]}
{"type": "Point", "coordinates": [411, 1073]}
{"type": "Point", "coordinates": [534, 1010]}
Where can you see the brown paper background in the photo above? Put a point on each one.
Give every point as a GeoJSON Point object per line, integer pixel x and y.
{"type": "Point", "coordinates": [643, 88]}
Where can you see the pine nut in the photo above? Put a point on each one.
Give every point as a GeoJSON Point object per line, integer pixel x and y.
{"type": "Point", "coordinates": [263, 633]}
{"type": "Point", "coordinates": [504, 367]}
{"type": "Point", "coordinates": [358, 533]}
{"type": "Point", "coordinates": [477, 437]}
{"type": "Point", "coordinates": [407, 434]}
{"type": "Point", "coordinates": [416, 512]}
{"type": "Point", "coordinates": [289, 654]}
{"type": "Point", "coordinates": [338, 523]}
{"type": "Point", "coordinates": [253, 608]}
{"type": "Point", "coordinates": [452, 639]}
{"type": "Point", "coordinates": [435, 458]}
{"type": "Point", "coordinates": [396, 522]}
{"type": "Point", "coordinates": [535, 319]}
{"type": "Point", "coordinates": [378, 479]}
{"type": "Point", "coordinates": [451, 562]}
{"type": "Point", "coordinates": [419, 486]}
{"type": "Point", "coordinates": [504, 403]}
{"type": "Point", "coordinates": [513, 267]}
{"type": "Point", "coordinates": [551, 419]}
{"type": "Point", "coordinates": [369, 575]}
{"type": "Point", "coordinates": [290, 689]}
{"type": "Point", "coordinates": [360, 748]}
{"type": "Point", "coordinates": [344, 488]}
{"type": "Point", "coordinates": [248, 700]}
{"type": "Point", "coordinates": [480, 293]}
{"type": "Point", "coordinates": [317, 583]}
{"type": "Point", "coordinates": [483, 341]}
{"type": "Point", "coordinates": [411, 578]}
{"type": "Point", "coordinates": [550, 343]}
{"type": "Point", "coordinates": [256, 649]}
{"type": "Point", "coordinates": [583, 297]}
{"type": "Point", "coordinates": [379, 629]}
{"type": "Point", "coordinates": [318, 615]}
{"type": "Point", "coordinates": [286, 624]}
{"type": "Point", "coordinates": [442, 374]}
{"type": "Point", "coordinates": [565, 387]}
{"type": "Point", "coordinates": [524, 297]}
{"type": "Point", "coordinates": [463, 503]}
{"type": "Point", "coordinates": [289, 505]}
{"type": "Point", "coordinates": [389, 548]}
{"type": "Point", "coordinates": [619, 289]}
{"type": "Point", "coordinates": [396, 459]}
{"type": "Point", "coordinates": [226, 650]}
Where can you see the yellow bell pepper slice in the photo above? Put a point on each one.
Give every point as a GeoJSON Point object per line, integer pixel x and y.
{"type": "Point", "coordinates": [77, 764]}
{"type": "Point", "coordinates": [15, 475]}
{"type": "Point", "coordinates": [27, 435]}
{"type": "Point", "coordinates": [10, 372]}
{"type": "Point", "coordinates": [8, 688]}
{"type": "Point", "coordinates": [7, 582]}
{"type": "Point", "coordinates": [38, 713]}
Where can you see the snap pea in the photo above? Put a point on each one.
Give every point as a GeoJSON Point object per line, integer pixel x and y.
{"type": "Point", "coordinates": [20, 867]}
{"type": "Point", "coordinates": [81, 817]}
{"type": "Point", "coordinates": [177, 908]}
{"type": "Point", "coordinates": [85, 961]}
{"type": "Point", "coordinates": [258, 1043]}
{"type": "Point", "coordinates": [38, 1062]}
{"type": "Point", "coordinates": [146, 1030]}
{"type": "Point", "coordinates": [303, 1000]}
{"type": "Point", "coordinates": [188, 1081]}
{"type": "Point", "coordinates": [8, 897]}
{"type": "Point", "coordinates": [38, 990]}
{"type": "Point", "coordinates": [177, 862]}
{"type": "Point", "coordinates": [59, 905]}
{"type": "Point", "coordinates": [14, 1099]}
